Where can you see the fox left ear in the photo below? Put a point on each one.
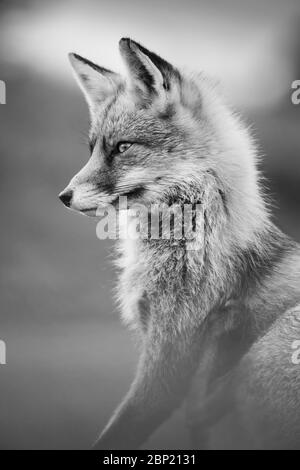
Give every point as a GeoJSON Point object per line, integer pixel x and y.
{"type": "Point", "coordinates": [97, 83]}
{"type": "Point", "coordinates": [150, 73]}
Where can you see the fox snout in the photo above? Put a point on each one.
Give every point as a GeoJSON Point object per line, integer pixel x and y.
{"type": "Point", "coordinates": [81, 198]}
{"type": "Point", "coordinates": [66, 197]}
{"type": "Point", "coordinates": [83, 194]}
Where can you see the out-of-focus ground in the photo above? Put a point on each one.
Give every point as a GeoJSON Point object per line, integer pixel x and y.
{"type": "Point", "coordinates": [69, 358]}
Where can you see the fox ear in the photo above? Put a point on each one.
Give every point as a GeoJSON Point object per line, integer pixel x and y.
{"type": "Point", "coordinates": [97, 83]}
{"type": "Point", "coordinates": [149, 72]}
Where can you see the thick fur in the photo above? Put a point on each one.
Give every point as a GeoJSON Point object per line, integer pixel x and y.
{"type": "Point", "coordinates": [216, 315]}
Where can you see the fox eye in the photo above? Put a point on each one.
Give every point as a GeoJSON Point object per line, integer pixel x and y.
{"type": "Point", "coordinates": [121, 147]}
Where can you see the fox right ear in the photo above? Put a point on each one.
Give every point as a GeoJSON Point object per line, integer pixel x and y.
{"type": "Point", "coordinates": [97, 83]}
{"type": "Point", "coordinates": [148, 71]}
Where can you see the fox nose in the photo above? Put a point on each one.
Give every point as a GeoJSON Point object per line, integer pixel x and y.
{"type": "Point", "coordinates": [66, 197]}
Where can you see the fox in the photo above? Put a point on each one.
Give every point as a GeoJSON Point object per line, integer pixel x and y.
{"type": "Point", "coordinates": [217, 315]}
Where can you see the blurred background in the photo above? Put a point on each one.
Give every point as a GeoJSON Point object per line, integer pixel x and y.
{"type": "Point", "coordinates": [69, 358]}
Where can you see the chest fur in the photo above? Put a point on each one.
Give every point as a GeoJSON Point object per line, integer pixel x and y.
{"type": "Point", "coordinates": [132, 282]}
{"type": "Point", "coordinates": [155, 275]}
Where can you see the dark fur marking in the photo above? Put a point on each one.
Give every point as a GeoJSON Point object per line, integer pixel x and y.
{"type": "Point", "coordinates": [104, 145]}
{"type": "Point", "coordinates": [92, 143]}
{"type": "Point", "coordinates": [92, 65]}
{"type": "Point", "coordinates": [168, 113]}
{"type": "Point", "coordinates": [221, 192]}
{"type": "Point", "coordinates": [94, 137]}
{"type": "Point", "coordinates": [105, 180]}
{"type": "Point", "coordinates": [144, 311]}
{"type": "Point", "coordinates": [231, 346]}
{"type": "Point", "coordinates": [138, 66]}
{"type": "Point", "coordinates": [254, 265]}
{"type": "Point", "coordinates": [135, 193]}
{"type": "Point", "coordinates": [224, 200]}
{"type": "Point", "coordinates": [166, 69]}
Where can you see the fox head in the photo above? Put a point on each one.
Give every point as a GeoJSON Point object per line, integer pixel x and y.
{"type": "Point", "coordinates": [158, 134]}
